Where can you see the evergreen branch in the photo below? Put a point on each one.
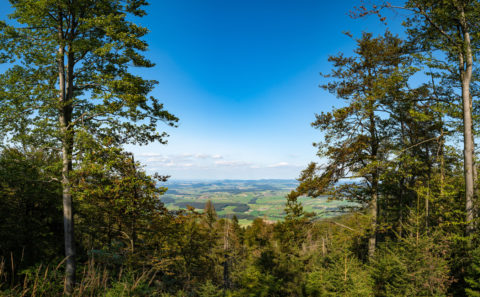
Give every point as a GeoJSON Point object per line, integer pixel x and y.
{"type": "Point", "coordinates": [429, 20]}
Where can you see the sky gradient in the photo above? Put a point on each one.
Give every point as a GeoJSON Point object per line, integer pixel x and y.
{"type": "Point", "coordinates": [243, 78]}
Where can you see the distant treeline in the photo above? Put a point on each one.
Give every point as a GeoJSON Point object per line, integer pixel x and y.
{"type": "Point", "coordinates": [239, 216]}
{"type": "Point", "coordinates": [240, 191]}
{"type": "Point", "coordinates": [219, 206]}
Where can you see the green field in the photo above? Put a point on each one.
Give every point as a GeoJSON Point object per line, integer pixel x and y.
{"type": "Point", "coordinates": [245, 199]}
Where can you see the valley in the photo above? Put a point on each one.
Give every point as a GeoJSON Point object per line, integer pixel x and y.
{"type": "Point", "coordinates": [246, 199]}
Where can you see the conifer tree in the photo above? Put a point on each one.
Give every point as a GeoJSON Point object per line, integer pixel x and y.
{"type": "Point", "coordinates": [449, 27]}
{"type": "Point", "coordinates": [356, 141]}
{"type": "Point", "coordinates": [210, 213]}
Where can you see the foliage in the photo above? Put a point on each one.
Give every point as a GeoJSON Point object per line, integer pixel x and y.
{"type": "Point", "coordinates": [255, 283]}
{"type": "Point", "coordinates": [30, 209]}
{"type": "Point", "coordinates": [69, 77]}
{"type": "Point", "coordinates": [414, 266]}
{"type": "Point", "coordinates": [473, 274]}
{"type": "Point", "coordinates": [69, 101]}
{"type": "Point", "coordinates": [209, 290]}
{"type": "Point", "coordinates": [342, 276]}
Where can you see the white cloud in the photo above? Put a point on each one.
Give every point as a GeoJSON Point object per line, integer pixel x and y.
{"type": "Point", "coordinates": [169, 164]}
{"type": "Point", "coordinates": [156, 159]}
{"type": "Point", "coordinates": [159, 158]}
{"type": "Point", "coordinates": [280, 164]}
{"type": "Point", "coordinates": [231, 163]}
{"type": "Point", "coordinates": [208, 156]}
{"type": "Point", "coordinates": [216, 166]}
{"type": "Point", "coordinates": [148, 155]}
{"type": "Point", "coordinates": [172, 164]}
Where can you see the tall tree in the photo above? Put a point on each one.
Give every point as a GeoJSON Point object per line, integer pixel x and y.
{"type": "Point", "coordinates": [356, 139]}
{"type": "Point", "coordinates": [71, 75]}
{"type": "Point", "coordinates": [449, 27]}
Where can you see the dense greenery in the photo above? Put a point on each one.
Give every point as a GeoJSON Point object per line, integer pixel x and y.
{"type": "Point", "coordinates": [391, 148]}
{"type": "Point", "coordinates": [70, 86]}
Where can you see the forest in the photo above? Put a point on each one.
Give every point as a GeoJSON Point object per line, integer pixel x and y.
{"type": "Point", "coordinates": [79, 216]}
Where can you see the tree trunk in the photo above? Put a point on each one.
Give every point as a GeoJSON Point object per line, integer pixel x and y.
{"type": "Point", "coordinates": [442, 166]}
{"type": "Point", "coordinates": [226, 248]}
{"type": "Point", "coordinates": [372, 240]}
{"type": "Point", "coordinates": [65, 114]}
{"type": "Point", "coordinates": [68, 219]}
{"type": "Point", "coordinates": [466, 65]}
{"type": "Point", "coordinates": [134, 213]}
{"type": "Point", "coordinates": [427, 197]}
{"type": "Point", "coordinates": [226, 273]}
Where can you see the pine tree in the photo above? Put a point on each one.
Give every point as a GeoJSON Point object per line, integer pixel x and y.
{"type": "Point", "coordinates": [357, 136]}
{"type": "Point", "coordinates": [210, 214]}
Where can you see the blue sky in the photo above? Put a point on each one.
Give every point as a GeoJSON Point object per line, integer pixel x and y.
{"type": "Point", "coordinates": [243, 76]}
